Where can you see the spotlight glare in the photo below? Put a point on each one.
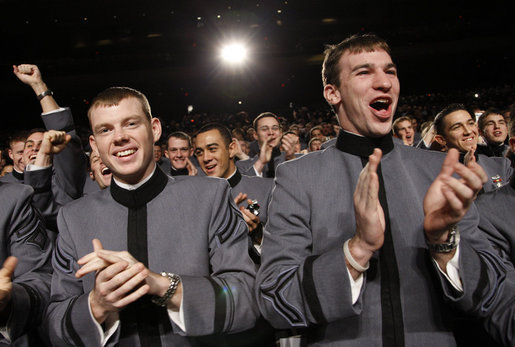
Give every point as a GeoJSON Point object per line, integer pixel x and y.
{"type": "Point", "coordinates": [234, 53]}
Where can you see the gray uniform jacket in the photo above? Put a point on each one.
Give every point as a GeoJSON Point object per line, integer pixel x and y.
{"type": "Point", "coordinates": [303, 279]}
{"type": "Point", "coordinates": [246, 167]}
{"type": "Point", "coordinates": [204, 240]}
{"type": "Point", "coordinates": [256, 188]}
{"type": "Point", "coordinates": [24, 236]}
{"type": "Point", "coordinates": [65, 178]}
{"type": "Point", "coordinates": [497, 212]}
{"type": "Point", "coordinates": [498, 170]}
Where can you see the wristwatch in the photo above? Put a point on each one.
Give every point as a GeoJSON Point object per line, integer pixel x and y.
{"type": "Point", "coordinates": [453, 239]}
{"type": "Point", "coordinates": [174, 282]}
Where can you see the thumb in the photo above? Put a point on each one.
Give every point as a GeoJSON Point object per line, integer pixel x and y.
{"type": "Point", "coordinates": [9, 266]}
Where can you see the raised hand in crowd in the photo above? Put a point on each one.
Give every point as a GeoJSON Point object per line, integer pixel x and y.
{"type": "Point", "coordinates": [288, 142]}
{"type": "Point", "coordinates": [53, 142]}
{"type": "Point", "coordinates": [31, 76]}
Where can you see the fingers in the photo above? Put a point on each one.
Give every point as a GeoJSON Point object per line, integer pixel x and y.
{"type": "Point", "coordinates": [451, 159]}
{"type": "Point", "coordinates": [92, 265]}
{"type": "Point", "coordinates": [240, 198]}
{"type": "Point", "coordinates": [251, 219]}
{"type": "Point", "coordinates": [57, 137]}
{"type": "Point", "coordinates": [8, 267]}
{"type": "Point", "coordinates": [97, 245]}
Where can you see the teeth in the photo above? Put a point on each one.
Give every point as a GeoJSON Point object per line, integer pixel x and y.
{"type": "Point", "coordinates": [106, 171]}
{"type": "Point", "coordinates": [125, 153]}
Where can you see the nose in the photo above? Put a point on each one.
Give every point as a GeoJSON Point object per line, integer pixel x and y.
{"type": "Point", "coordinates": [382, 81]}
{"type": "Point", "coordinates": [120, 136]}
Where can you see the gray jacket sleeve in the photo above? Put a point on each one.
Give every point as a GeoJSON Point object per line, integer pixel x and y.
{"type": "Point", "coordinates": [70, 322]}
{"type": "Point", "coordinates": [70, 164]}
{"type": "Point", "coordinates": [224, 301]}
{"type": "Point", "coordinates": [24, 236]}
{"type": "Point", "coordinates": [292, 283]}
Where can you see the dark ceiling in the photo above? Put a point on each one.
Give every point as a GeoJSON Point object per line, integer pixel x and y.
{"type": "Point", "coordinates": [169, 49]}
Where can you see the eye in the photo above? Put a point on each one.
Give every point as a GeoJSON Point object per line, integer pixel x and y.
{"type": "Point", "coordinates": [362, 72]}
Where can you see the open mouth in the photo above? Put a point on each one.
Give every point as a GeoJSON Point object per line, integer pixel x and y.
{"type": "Point", "coordinates": [381, 104]}
{"type": "Point", "coordinates": [105, 171]}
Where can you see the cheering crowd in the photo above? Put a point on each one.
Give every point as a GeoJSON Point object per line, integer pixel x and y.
{"type": "Point", "coordinates": [358, 227]}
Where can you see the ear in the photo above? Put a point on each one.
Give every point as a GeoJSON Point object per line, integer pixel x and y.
{"type": "Point", "coordinates": [441, 140]}
{"type": "Point", "coordinates": [232, 148]}
{"type": "Point", "coordinates": [10, 152]}
{"type": "Point", "coordinates": [156, 129]}
{"type": "Point", "coordinates": [92, 143]}
{"type": "Point", "coordinates": [166, 153]}
{"type": "Point", "coordinates": [91, 175]}
{"type": "Point", "coordinates": [332, 94]}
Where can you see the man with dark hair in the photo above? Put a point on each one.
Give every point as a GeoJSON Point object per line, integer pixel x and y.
{"type": "Point", "coordinates": [215, 151]}
{"type": "Point", "coordinates": [493, 129]}
{"type": "Point", "coordinates": [179, 149]}
{"type": "Point", "coordinates": [456, 128]}
{"type": "Point", "coordinates": [355, 270]}
{"type": "Point", "coordinates": [269, 137]}
{"type": "Point", "coordinates": [174, 266]}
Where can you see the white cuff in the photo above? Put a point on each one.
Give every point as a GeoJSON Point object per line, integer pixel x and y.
{"type": "Point", "coordinates": [258, 174]}
{"type": "Point", "coordinates": [355, 285]}
{"type": "Point", "coordinates": [178, 316]}
{"type": "Point", "coordinates": [111, 325]}
{"type": "Point", "coordinates": [453, 271]}
{"type": "Point", "coordinates": [32, 167]}
{"type": "Point", "coordinates": [54, 111]}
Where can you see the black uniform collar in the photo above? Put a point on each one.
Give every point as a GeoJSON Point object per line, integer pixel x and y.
{"type": "Point", "coordinates": [363, 146]}
{"type": "Point", "coordinates": [139, 197]}
{"type": "Point", "coordinates": [179, 172]}
{"type": "Point", "coordinates": [18, 175]}
{"type": "Point", "coordinates": [234, 179]}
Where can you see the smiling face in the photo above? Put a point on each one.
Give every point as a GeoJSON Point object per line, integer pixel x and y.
{"type": "Point", "coordinates": [368, 93]}
{"type": "Point", "coordinates": [459, 131]}
{"type": "Point", "coordinates": [178, 152]}
{"type": "Point", "coordinates": [214, 155]}
{"type": "Point", "coordinates": [495, 129]}
{"type": "Point", "coordinates": [16, 154]}
{"type": "Point", "coordinates": [268, 128]}
{"type": "Point", "coordinates": [31, 148]}
{"type": "Point", "coordinates": [124, 137]}
{"type": "Point", "coordinates": [99, 172]}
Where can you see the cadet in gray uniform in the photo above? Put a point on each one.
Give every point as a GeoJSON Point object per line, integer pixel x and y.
{"type": "Point", "coordinates": [148, 223]}
{"type": "Point", "coordinates": [350, 229]}
{"type": "Point", "coordinates": [456, 128]}
{"type": "Point", "coordinates": [62, 170]}
{"type": "Point", "coordinates": [270, 138]}
{"type": "Point", "coordinates": [215, 151]}
{"type": "Point", "coordinates": [23, 237]}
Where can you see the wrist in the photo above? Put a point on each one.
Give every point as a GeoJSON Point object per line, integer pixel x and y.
{"type": "Point", "coordinates": [99, 313]}
{"type": "Point", "coordinates": [358, 253]}
{"type": "Point", "coordinates": [39, 87]}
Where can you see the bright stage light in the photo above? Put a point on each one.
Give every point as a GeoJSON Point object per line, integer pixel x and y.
{"type": "Point", "coordinates": [234, 53]}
